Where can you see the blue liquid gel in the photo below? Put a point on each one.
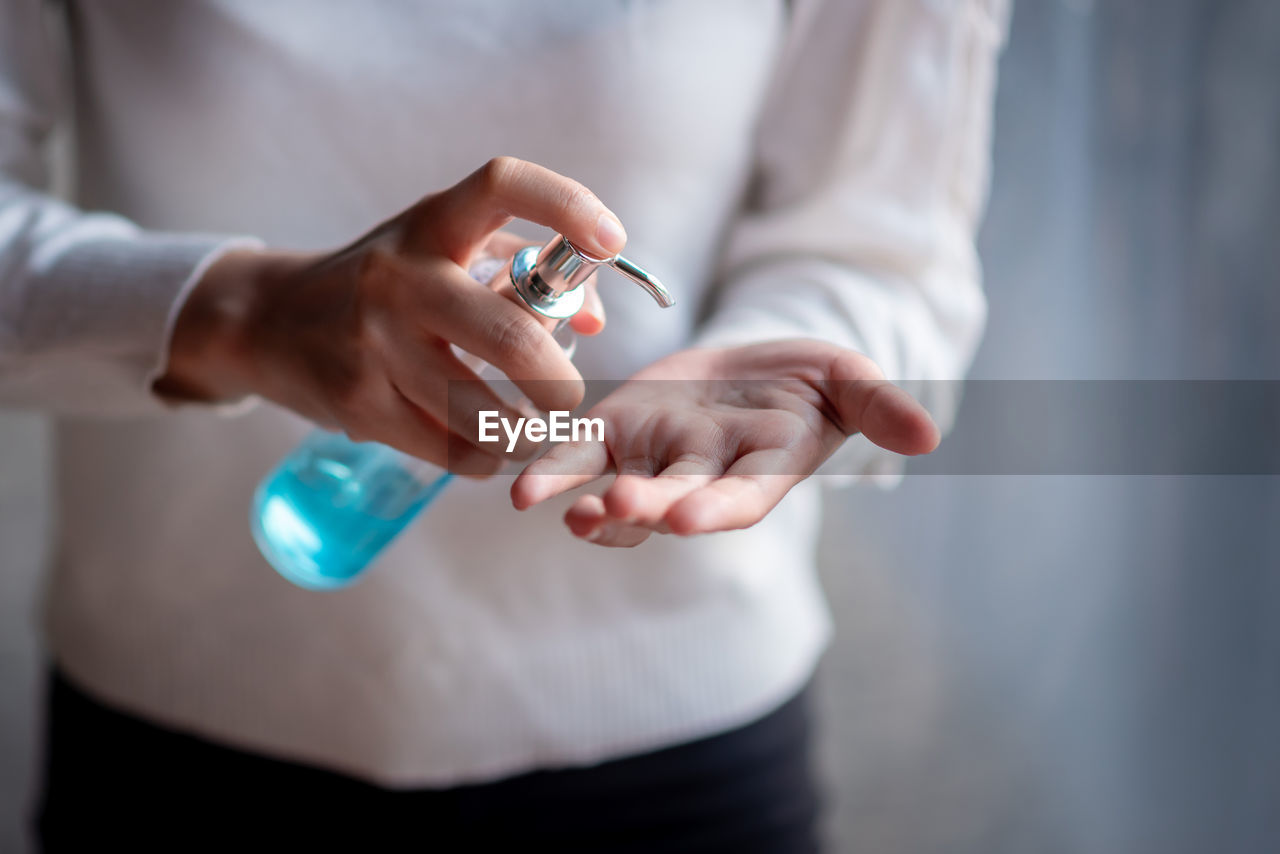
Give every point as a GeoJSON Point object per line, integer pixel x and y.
{"type": "Point", "coordinates": [332, 505]}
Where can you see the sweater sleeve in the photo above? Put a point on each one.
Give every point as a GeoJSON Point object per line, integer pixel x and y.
{"type": "Point", "coordinates": [871, 175]}
{"type": "Point", "coordinates": [87, 300]}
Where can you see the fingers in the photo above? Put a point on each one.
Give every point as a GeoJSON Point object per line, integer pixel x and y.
{"type": "Point", "coordinates": [404, 426]}
{"type": "Point", "coordinates": [451, 393]}
{"type": "Point", "coordinates": [505, 187]}
{"type": "Point", "coordinates": [700, 496]}
{"type": "Point", "coordinates": [867, 403]}
{"type": "Point", "coordinates": [587, 519]}
{"type": "Point", "coordinates": [504, 335]}
{"type": "Point", "coordinates": [646, 500]}
{"type": "Point", "coordinates": [561, 469]}
{"type": "Point", "coordinates": [739, 499]}
{"type": "Point", "coordinates": [685, 499]}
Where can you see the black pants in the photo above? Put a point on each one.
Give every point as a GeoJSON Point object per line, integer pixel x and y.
{"type": "Point", "coordinates": [112, 779]}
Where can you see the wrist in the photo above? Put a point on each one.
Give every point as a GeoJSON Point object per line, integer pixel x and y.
{"type": "Point", "coordinates": [210, 358]}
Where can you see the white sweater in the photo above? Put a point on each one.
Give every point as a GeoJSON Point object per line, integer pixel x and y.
{"type": "Point", "coordinates": [805, 169]}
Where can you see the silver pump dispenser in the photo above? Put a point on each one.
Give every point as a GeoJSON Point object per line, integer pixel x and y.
{"type": "Point", "coordinates": [549, 279]}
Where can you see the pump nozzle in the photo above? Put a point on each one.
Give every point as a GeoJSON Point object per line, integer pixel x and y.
{"type": "Point", "coordinates": [550, 279]}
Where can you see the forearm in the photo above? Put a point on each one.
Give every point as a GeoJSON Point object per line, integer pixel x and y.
{"type": "Point", "coordinates": [87, 303]}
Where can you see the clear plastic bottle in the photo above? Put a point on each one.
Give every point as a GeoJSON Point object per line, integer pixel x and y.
{"type": "Point", "coordinates": [331, 506]}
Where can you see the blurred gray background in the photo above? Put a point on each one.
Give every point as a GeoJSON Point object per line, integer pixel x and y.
{"type": "Point", "coordinates": [1051, 664]}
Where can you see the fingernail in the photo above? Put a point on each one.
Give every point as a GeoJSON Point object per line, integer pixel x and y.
{"type": "Point", "coordinates": [610, 234]}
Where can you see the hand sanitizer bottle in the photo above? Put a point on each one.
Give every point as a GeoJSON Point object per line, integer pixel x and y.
{"type": "Point", "coordinates": [330, 507]}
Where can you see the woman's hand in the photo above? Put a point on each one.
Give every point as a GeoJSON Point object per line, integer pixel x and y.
{"type": "Point", "coordinates": [358, 339]}
{"type": "Point", "coordinates": [710, 440]}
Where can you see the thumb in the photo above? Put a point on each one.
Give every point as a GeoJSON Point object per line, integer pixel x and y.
{"type": "Point", "coordinates": [865, 402]}
{"type": "Point", "coordinates": [463, 216]}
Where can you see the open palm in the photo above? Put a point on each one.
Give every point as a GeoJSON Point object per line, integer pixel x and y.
{"type": "Point", "coordinates": [712, 439]}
